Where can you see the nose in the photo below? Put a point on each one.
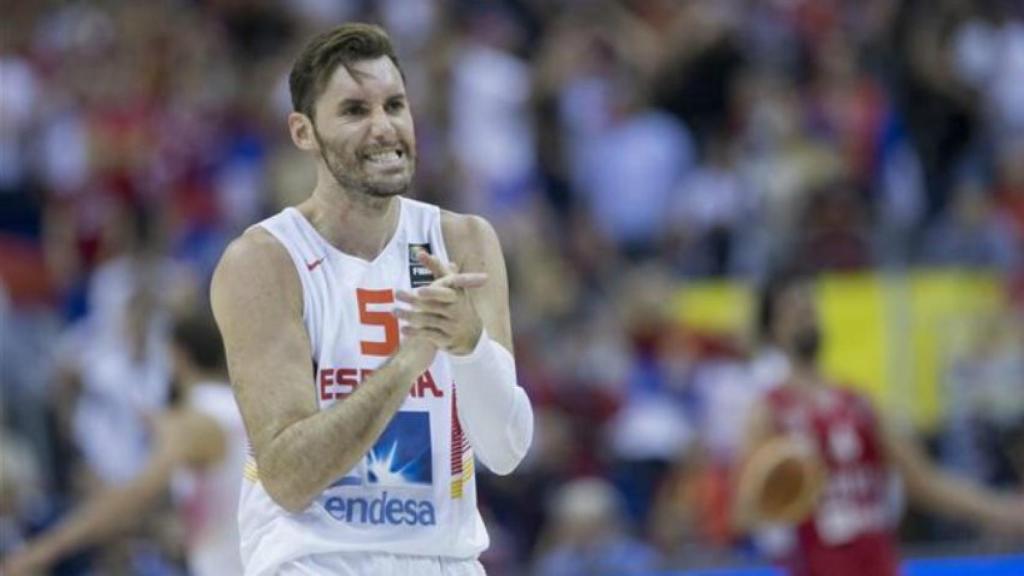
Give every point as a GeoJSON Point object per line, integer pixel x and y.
{"type": "Point", "coordinates": [382, 126]}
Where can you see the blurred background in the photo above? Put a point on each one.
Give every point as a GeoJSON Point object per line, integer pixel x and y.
{"type": "Point", "coordinates": [646, 163]}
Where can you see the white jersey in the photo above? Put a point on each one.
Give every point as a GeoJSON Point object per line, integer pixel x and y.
{"type": "Point", "coordinates": [414, 492]}
{"type": "Point", "coordinates": [208, 498]}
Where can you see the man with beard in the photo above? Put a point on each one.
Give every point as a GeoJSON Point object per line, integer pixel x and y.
{"type": "Point", "coordinates": [368, 342]}
{"type": "Point", "coordinates": [850, 530]}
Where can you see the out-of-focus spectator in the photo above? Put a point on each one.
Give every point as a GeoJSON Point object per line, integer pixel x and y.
{"type": "Point", "coordinates": [987, 53]}
{"type": "Point", "coordinates": [491, 133]}
{"type": "Point", "coordinates": [710, 207]}
{"type": "Point", "coordinates": [21, 488]}
{"type": "Point", "coordinates": [970, 233]}
{"type": "Point", "coordinates": [833, 231]}
{"type": "Point", "coordinates": [587, 535]}
{"type": "Point", "coordinates": [984, 379]}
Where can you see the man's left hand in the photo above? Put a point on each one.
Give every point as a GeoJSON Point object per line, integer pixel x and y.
{"type": "Point", "coordinates": [443, 311]}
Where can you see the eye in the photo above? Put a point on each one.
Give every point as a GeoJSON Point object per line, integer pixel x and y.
{"type": "Point", "coordinates": [396, 105]}
{"type": "Point", "coordinates": [353, 110]}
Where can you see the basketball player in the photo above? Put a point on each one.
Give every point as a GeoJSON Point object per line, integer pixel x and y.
{"type": "Point", "coordinates": [199, 450]}
{"type": "Point", "coordinates": [369, 344]}
{"type": "Point", "coordinates": [850, 531]}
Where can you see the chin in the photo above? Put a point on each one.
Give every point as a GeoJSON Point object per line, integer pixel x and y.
{"type": "Point", "coordinates": [387, 187]}
{"type": "Point", "coordinates": [387, 190]}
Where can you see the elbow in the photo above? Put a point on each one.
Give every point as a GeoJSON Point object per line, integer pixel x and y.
{"type": "Point", "coordinates": [517, 444]}
{"type": "Point", "coordinates": [285, 498]}
{"type": "Point", "coordinates": [505, 465]}
{"type": "Point", "coordinates": [281, 488]}
{"type": "Point", "coordinates": [503, 469]}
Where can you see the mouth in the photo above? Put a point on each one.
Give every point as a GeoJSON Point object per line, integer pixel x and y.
{"type": "Point", "coordinates": [386, 157]}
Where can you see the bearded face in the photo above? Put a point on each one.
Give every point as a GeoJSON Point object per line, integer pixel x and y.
{"type": "Point", "coordinates": [798, 327]}
{"type": "Point", "coordinates": [364, 129]}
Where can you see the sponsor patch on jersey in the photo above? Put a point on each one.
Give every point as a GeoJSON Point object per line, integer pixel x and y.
{"type": "Point", "coordinates": [402, 456]}
{"type": "Point", "coordinates": [419, 275]}
{"type": "Point", "coordinates": [381, 510]}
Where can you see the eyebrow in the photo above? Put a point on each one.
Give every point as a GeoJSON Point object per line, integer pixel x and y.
{"type": "Point", "coordinates": [359, 101]}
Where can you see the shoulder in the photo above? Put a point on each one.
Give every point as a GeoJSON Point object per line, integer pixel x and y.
{"type": "Point", "coordinates": [466, 227]}
{"type": "Point", "coordinates": [254, 249]}
{"type": "Point", "coordinates": [256, 264]}
{"type": "Point", "coordinates": [193, 436]}
{"type": "Point", "coordinates": [255, 255]}
{"type": "Point", "coordinates": [468, 235]}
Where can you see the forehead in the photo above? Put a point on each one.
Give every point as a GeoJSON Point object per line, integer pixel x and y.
{"type": "Point", "coordinates": [364, 80]}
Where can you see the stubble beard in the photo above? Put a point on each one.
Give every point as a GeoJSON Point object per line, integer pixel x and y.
{"type": "Point", "coordinates": [351, 177]}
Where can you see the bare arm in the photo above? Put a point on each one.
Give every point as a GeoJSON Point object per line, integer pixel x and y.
{"type": "Point", "coordinates": [943, 493]}
{"type": "Point", "coordinates": [758, 431]}
{"type": "Point", "coordinates": [300, 451]}
{"type": "Point", "coordinates": [184, 437]}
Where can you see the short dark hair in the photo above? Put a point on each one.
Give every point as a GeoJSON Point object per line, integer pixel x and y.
{"type": "Point", "coordinates": [342, 46]}
{"type": "Point", "coordinates": [197, 335]}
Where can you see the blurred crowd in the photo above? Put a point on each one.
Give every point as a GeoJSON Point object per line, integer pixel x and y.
{"type": "Point", "coordinates": [620, 147]}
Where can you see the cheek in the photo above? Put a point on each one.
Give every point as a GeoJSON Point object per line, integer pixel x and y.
{"type": "Point", "coordinates": [407, 129]}
{"type": "Point", "coordinates": [340, 146]}
{"type": "Point", "coordinates": [338, 134]}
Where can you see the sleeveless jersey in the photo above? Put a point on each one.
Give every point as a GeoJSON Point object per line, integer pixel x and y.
{"type": "Point", "coordinates": [414, 492]}
{"type": "Point", "coordinates": [849, 532]}
{"type": "Point", "coordinates": [208, 498]}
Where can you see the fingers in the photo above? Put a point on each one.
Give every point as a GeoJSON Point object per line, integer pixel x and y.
{"type": "Point", "coordinates": [434, 335]}
{"type": "Point", "coordinates": [435, 265]}
{"type": "Point", "coordinates": [466, 280]}
{"type": "Point", "coordinates": [432, 293]}
{"type": "Point", "coordinates": [420, 318]}
{"type": "Point", "coordinates": [448, 275]}
{"type": "Point", "coordinates": [415, 304]}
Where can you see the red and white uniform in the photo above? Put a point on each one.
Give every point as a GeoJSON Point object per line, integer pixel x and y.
{"type": "Point", "coordinates": [850, 531]}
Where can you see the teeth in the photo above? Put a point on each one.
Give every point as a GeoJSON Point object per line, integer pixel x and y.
{"type": "Point", "coordinates": [384, 156]}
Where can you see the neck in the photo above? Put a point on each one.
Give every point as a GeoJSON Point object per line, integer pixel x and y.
{"type": "Point", "coordinates": [354, 223]}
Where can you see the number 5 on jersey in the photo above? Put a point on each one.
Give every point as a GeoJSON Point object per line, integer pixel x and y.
{"type": "Point", "coordinates": [382, 318]}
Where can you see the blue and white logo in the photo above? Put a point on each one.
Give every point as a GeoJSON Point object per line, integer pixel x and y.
{"type": "Point", "coordinates": [401, 456]}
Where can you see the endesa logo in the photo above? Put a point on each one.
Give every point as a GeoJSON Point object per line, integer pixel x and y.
{"type": "Point", "coordinates": [382, 510]}
{"type": "Point", "coordinates": [402, 458]}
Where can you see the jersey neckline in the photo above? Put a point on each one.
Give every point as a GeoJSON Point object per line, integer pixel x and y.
{"type": "Point", "coordinates": [331, 248]}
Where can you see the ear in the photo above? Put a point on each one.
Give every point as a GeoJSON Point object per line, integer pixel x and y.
{"type": "Point", "coordinates": [301, 128]}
